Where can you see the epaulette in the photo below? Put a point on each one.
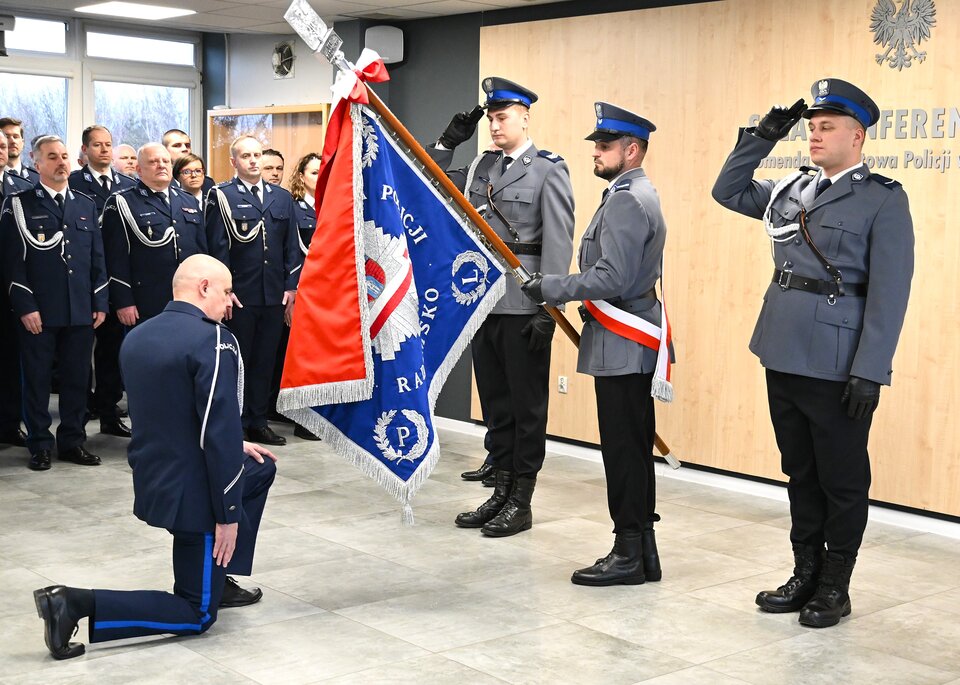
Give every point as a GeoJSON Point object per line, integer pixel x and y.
{"type": "Point", "coordinates": [126, 176]}
{"type": "Point", "coordinates": [124, 190]}
{"type": "Point", "coordinates": [809, 170]}
{"type": "Point", "coordinates": [224, 184]}
{"type": "Point", "coordinates": [887, 183]}
{"type": "Point", "coordinates": [623, 185]}
{"type": "Point", "coordinates": [82, 194]}
{"type": "Point", "coordinates": [551, 156]}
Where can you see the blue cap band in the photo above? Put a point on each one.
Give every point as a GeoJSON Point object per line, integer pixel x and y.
{"type": "Point", "coordinates": [494, 95]}
{"type": "Point", "coordinates": [624, 127]}
{"type": "Point", "coordinates": [861, 114]}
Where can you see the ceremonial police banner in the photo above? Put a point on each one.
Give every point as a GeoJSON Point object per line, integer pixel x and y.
{"type": "Point", "coordinates": [393, 288]}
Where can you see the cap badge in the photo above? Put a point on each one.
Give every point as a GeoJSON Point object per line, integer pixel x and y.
{"type": "Point", "coordinates": [599, 111]}
{"type": "Point", "coordinates": [824, 87]}
{"type": "Point", "coordinates": [487, 84]}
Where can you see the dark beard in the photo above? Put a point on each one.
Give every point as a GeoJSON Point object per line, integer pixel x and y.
{"type": "Point", "coordinates": [608, 174]}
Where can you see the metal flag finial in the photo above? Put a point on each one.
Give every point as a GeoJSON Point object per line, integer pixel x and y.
{"type": "Point", "coordinates": [315, 33]}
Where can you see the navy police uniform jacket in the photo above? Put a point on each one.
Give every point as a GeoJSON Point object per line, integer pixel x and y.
{"type": "Point", "coordinates": [83, 180]}
{"type": "Point", "coordinates": [145, 240]}
{"type": "Point", "coordinates": [306, 223]}
{"type": "Point", "coordinates": [862, 225]}
{"type": "Point", "coordinates": [181, 370]}
{"type": "Point", "coordinates": [536, 197]}
{"type": "Point", "coordinates": [257, 240]}
{"type": "Point", "coordinates": [53, 259]}
{"type": "Point", "coordinates": [620, 256]}
{"type": "Point", "coordinates": [12, 184]}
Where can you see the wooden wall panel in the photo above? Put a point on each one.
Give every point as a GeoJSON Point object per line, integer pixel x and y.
{"type": "Point", "coordinates": [699, 72]}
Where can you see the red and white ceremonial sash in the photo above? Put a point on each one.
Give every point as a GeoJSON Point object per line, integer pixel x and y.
{"type": "Point", "coordinates": [632, 327]}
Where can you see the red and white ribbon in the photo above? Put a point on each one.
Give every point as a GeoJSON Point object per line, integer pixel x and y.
{"type": "Point", "coordinates": [349, 85]}
{"type": "Point", "coordinates": [632, 327]}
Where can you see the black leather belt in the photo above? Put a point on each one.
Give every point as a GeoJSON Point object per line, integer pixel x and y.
{"type": "Point", "coordinates": [638, 304]}
{"type": "Point", "coordinates": [526, 248]}
{"type": "Point", "coordinates": [788, 280]}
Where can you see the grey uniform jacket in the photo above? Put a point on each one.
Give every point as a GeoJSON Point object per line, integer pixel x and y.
{"type": "Point", "coordinates": [863, 227]}
{"type": "Point", "coordinates": [535, 195]}
{"type": "Point", "coordinates": [620, 257]}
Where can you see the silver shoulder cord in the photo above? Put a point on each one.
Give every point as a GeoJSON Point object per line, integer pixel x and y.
{"type": "Point", "coordinates": [780, 234]}
{"type": "Point", "coordinates": [28, 238]}
{"type": "Point", "coordinates": [233, 233]}
{"type": "Point", "coordinates": [126, 216]}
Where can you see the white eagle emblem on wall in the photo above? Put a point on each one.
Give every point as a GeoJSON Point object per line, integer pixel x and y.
{"type": "Point", "coordinates": [901, 31]}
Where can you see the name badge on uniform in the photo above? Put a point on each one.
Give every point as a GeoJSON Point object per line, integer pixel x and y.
{"type": "Point", "coordinates": [244, 206]}
{"type": "Point", "coordinates": [40, 216]}
{"type": "Point", "coordinates": [146, 214]}
{"type": "Point", "coordinates": [188, 210]}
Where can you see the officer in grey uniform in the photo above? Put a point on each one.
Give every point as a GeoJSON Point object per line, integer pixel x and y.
{"type": "Point", "coordinates": [620, 263]}
{"type": "Point", "coordinates": [525, 195]}
{"type": "Point", "coordinates": [843, 250]}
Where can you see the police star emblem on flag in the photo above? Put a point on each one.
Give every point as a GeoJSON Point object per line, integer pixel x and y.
{"type": "Point", "coordinates": [901, 30]}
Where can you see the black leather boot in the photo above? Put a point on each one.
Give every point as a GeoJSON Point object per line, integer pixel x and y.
{"type": "Point", "coordinates": [796, 592]}
{"type": "Point", "coordinates": [516, 515]}
{"type": "Point", "coordinates": [486, 511]}
{"type": "Point", "coordinates": [623, 566]}
{"type": "Point", "coordinates": [651, 558]}
{"type": "Point", "coordinates": [831, 601]}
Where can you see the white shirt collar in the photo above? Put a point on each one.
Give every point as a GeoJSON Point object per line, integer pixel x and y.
{"type": "Point", "coordinates": [309, 199]}
{"type": "Point", "coordinates": [836, 177]}
{"type": "Point", "coordinates": [96, 174]}
{"type": "Point", "coordinates": [249, 186]}
{"type": "Point", "coordinates": [53, 193]}
{"type": "Point", "coordinates": [516, 154]}
{"type": "Point", "coordinates": [18, 169]}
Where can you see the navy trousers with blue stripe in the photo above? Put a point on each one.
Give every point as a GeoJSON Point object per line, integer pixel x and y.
{"type": "Point", "coordinates": [198, 582]}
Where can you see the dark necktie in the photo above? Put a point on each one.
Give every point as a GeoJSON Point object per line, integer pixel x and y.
{"type": "Point", "coordinates": [256, 193]}
{"type": "Point", "coordinates": [58, 198]}
{"type": "Point", "coordinates": [163, 197]}
{"type": "Point", "coordinates": [603, 198]}
{"type": "Point", "coordinates": [505, 164]}
{"type": "Point", "coordinates": [105, 182]}
{"type": "Point", "coordinates": [822, 185]}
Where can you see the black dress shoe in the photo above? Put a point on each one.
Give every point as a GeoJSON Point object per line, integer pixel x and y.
{"type": "Point", "coordinates": [235, 596]}
{"type": "Point", "coordinates": [79, 455]}
{"type": "Point", "coordinates": [40, 461]}
{"type": "Point", "coordinates": [17, 438]}
{"type": "Point", "coordinates": [122, 413]}
{"type": "Point", "coordinates": [91, 415]}
{"type": "Point", "coordinates": [265, 436]}
{"type": "Point", "coordinates": [304, 434]}
{"type": "Point", "coordinates": [114, 427]}
{"type": "Point", "coordinates": [484, 471]}
{"type": "Point", "coordinates": [58, 625]}
{"type": "Point", "coordinates": [279, 418]}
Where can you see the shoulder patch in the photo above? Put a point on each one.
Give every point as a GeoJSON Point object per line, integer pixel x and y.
{"type": "Point", "coordinates": [623, 185]}
{"type": "Point", "coordinates": [551, 156]}
{"type": "Point", "coordinates": [888, 183]}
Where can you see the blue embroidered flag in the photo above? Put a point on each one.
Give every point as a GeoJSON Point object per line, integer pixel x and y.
{"type": "Point", "coordinates": [424, 284]}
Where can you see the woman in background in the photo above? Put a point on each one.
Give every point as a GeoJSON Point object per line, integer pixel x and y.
{"type": "Point", "coordinates": [189, 171]}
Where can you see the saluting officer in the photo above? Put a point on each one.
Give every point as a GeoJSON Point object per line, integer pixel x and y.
{"type": "Point", "coordinates": [525, 195]}
{"type": "Point", "coordinates": [98, 180]}
{"type": "Point", "coordinates": [148, 230]}
{"type": "Point", "coordinates": [624, 344]}
{"type": "Point", "coordinates": [251, 227]}
{"type": "Point", "coordinates": [192, 473]}
{"type": "Point", "coordinates": [843, 251]}
{"type": "Point", "coordinates": [55, 272]}
{"type": "Point", "coordinates": [10, 406]}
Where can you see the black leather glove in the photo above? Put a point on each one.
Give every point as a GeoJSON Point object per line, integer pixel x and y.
{"type": "Point", "coordinates": [461, 128]}
{"type": "Point", "coordinates": [540, 330]}
{"type": "Point", "coordinates": [862, 397]}
{"type": "Point", "coordinates": [779, 120]}
{"type": "Point", "coordinates": [534, 288]}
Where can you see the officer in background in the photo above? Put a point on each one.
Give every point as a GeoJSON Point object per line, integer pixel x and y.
{"type": "Point", "coordinates": [125, 160]}
{"type": "Point", "coordinates": [178, 144]}
{"type": "Point", "coordinates": [525, 195]}
{"type": "Point", "coordinates": [13, 130]}
{"type": "Point", "coordinates": [55, 273]}
{"type": "Point", "coordinates": [148, 230]}
{"type": "Point", "coordinates": [10, 407]}
{"type": "Point", "coordinates": [98, 180]}
{"type": "Point", "coordinates": [251, 227]}
{"type": "Point", "coordinates": [192, 472]}
{"type": "Point", "coordinates": [271, 166]}
{"type": "Point", "coordinates": [620, 260]}
{"type": "Point", "coordinates": [843, 255]}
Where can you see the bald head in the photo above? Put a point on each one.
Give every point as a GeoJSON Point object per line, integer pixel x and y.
{"type": "Point", "coordinates": [205, 283]}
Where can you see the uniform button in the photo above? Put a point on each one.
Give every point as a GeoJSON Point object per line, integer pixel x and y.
{"type": "Point", "coordinates": [69, 256]}
{"type": "Point", "coordinates": [178, 235]}
{"type": "Point", "coordinates": [265, 261]}
{"type": "Point", "coordinates": [233, 507]}
{"type": "Point", "coordinates": [66, 242]}
{"type": "Point", "coordinates": [846, 320]}
{"type": "Point", "coordinates": [839, 223]}
{"type": "Point", "coordinates": [265, 248]}
{"type": "Point", "coordinates": [796, 241]}
{"type": "Point", "coordinates": [69, 271]}
{"type": "Point", "coordinates": [64, 226]}
{"type": "Point", "coordinates": [789, 265]}
{"type": "Point", "coordinates": [174, 221]}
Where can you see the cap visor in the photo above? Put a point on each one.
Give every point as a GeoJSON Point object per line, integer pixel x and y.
{"type": "Point", "coordinates": [603, 136]}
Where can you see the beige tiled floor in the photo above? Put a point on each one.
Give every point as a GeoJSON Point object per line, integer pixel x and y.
{"type": "Point", "coordinates": [353, 597]}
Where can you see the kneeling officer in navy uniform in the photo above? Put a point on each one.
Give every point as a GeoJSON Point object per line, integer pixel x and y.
{"type": "Point", "coordinates": [192, 472]}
